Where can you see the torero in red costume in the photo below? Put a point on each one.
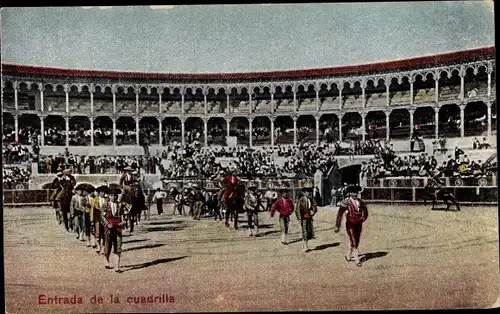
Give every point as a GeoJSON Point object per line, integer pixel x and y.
{"type": "Point", "coordinates": [356, 215]}
{"type": "Point", "coordinates": [229, 183]}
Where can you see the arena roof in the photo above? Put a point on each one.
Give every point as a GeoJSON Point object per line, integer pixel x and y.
{"type": "Point", "coordinates": [14, 69]}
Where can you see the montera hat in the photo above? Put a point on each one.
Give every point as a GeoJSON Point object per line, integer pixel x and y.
{"type": "Point", "coordinates": [128, 168]}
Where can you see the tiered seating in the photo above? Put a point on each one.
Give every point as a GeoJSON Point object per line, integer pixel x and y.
{"type": "Point", "coordinates": [127, 106]}
{"type": "Point", "coordinates": [149, 106]}
{"type": "Point", "coordinates": [376, 100]}
{"type": "Point", "coordinates": [54, 104]}
{"type": "Point", "coordinates": [174, 107]}
{"type": "Point", "coordinates": [263, 106]}
{"type": "Point", "coordinates": [329, 103]}
{"type": "Point", "coordinates": [284, 105]}
{"type": "Point", "coordinates": [449, 92]}
{"type": "Point", "coordinates": [424, 95]}
{"type": "Point", "coordinates": [243, 107]}
{"type": "Point", "coordinates": [400, 97]}
{"type": "Point", "coordinates": [103, 106]}
{"type": "Point", "coordinates": [79, 105]}
{"type": "Point", "coordinates": [351, 102]}
{"type": "Point", "coordinates": [308, 104]}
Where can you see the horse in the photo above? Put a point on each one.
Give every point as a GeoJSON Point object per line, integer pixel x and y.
{"type": "Point", "coordinates": [135, 203]}
{"type": "Point", "coordinates": [234, 204]}
{"type": "Point", "coordinates": [437, 194]}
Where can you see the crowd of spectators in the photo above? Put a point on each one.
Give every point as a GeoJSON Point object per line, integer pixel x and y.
{"type": "Point", "coordinates": [387, 164]}
{"type": "Point", "coordinates": [98, 164]}
{"type": "Point", "coordinates": [15, 176]}
{"type": "Point", "coordinates": [14, 153]}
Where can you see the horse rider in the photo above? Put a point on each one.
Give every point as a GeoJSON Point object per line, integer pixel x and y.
{"type": "Point", "coordinates": [230, 184]}
{"type": "Point", "coordinates": [251, 207]}
{"type": "Point", "coordinates": [198, 202]}
{"type": "Point", "coordinates": [305, 209]}
{"type": "Point", "coordinates": [126, 184]}
{"type": "Point", "coordinates": [284, 205]}
{"type": "Point", "coordinates": [356, 214]}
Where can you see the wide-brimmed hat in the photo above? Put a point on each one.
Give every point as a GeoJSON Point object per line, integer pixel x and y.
{"type": "Point", "coordinates": [252, 187]}
{"type": "Point", "coordinates": [67, 171]}
{"type": "Point", "coordinates": [128, 168]}
{"type": "Point", "coordinates": [102, 188]}
{"type": "Point", "coordinates": [307, 189]}
{"type": "Point", "coordinates": [353, 189]}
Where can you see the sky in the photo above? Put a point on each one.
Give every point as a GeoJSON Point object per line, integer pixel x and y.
{"type": "Point", "coordinates": [240, 38]}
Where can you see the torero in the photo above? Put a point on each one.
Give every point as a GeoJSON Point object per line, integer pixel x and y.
{"type": "Point", "coordinates": [356, 215]}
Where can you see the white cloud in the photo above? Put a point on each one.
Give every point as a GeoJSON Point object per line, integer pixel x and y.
{"type": "Point", "coordinates": [161, 7]}
{"type": "Point", "coordinates": [102, 8]}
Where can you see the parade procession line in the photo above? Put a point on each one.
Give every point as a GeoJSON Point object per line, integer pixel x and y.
{"type": "Point", "coordinates": [412, 258]}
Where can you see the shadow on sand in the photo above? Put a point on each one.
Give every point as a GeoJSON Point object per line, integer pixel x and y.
{"type": "Point", "coordinates": [134, 241]}
{"type": "Point", "coordinates": [325, 246]}
{"type": "Point", "coordinates": [166, 228]}
{"type": "Point", "coordinates": [149, 246]}
{"type": "Point", "coordinates": [152, 263]}
{"type": "Point", "coordinates": [159, 223]}
{"type": "Point", "coordinates": [368, 256]}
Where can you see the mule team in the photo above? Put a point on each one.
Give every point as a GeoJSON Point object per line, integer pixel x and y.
{"type": "Point", "coordinates": [98, 216]}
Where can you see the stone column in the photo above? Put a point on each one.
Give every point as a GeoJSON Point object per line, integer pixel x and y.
{"type": "Point", "coordinates": [229, 109]}
{"type": "Point", "coordinates": [489, 84]}
{"type": "Point", "coordinates": [363, 96]}
{"type": "Point", "coordinates": [462, 120]}
{"type": "Point", "coordinates": [182, 103]}
{"type": "Point", "coordinates": [317, 129]}
{"type": "Point", "coordinates": [317, 98]}
{"type": "Point", "coordinates": [67, 126]}
{"type": "Point", "coordinates": [363, 126]}
{"type": "Point", "coordinates": [16, 104]}
{"type": "Point", "coordinates": [340, 97]}
{"type": "Point", "coordinates": [91, 130]}
{"type": "Point", "coordinates": [137, 101]}
{"type": "Point", "coordinates": [294, 99]}
{"type": "Point", "coordinates": [114, 127]}
{"type": "Point", "coordinates": [16, 127]}
{"type": "Point", "coordinates": [159, 104]}
{"type": "Point", "coordinates": [436, 121]}
{"type": "Point", "coordinates": [489, 117]}
{"type": "Point", "coordinates": [412, 111]}
{"type": "Point", "coordinates": [228, 123]}
{"type": "Point", "coordinates": [272, 131]}
{"type": "Point", "coordinates": [295, 131]}
{"type": "Point", "coordinates": [205, 103]}
{"type": "Point", "coordinates": [250, 126]}
{"type": "Point", "coordinates": [137, 130]}
{"type": "Point", "coordinates": [113, 90]}
{"type": "Point", "coordinates": [437, 90]}
{"type": "Point", "coordinates": [91, 101]}
{"type": "Point", "coordinates": [160, 136]}
{"type": "Point", "coordinates": [462, 84]}
{"type": "Point", "coordinates": [42, 131]}
{"type": "Point", "coordinates": [40, 87]}
{"type": "Point", "coordinates": [66, 90]}
{"type": "Point", "coordinates": [387, 91]}
{"type": "Point", "coordinates": [273, 108]}
{"type": "Point", "coordinates": [387, 125]}
{"type": "Point", "coordinates": [183, 131]}
{"type": "Point", "coordinates": [411, 91]}
{"type": "Point", "coordinates": [205, 132]}
{"type": "Point", "coordinates": [250, 101]}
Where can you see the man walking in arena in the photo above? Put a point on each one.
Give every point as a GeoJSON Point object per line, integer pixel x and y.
{"type": "Point", "coordinates": [198, 202]}
{"type": "Point", "coordinates": [158, 197]}
{"type": "Point", "coordinates": [284, 205]}
{"type": "Point", "coordinates": [356, 215]}
{"type": "Point", "coordinates": [113, 224]}
{"type": "Point", "coordinates": [251, 207]}
{"type": "Point", "coordinates": [305, 209]}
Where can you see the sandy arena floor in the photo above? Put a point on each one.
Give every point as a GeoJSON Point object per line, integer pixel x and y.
{"type": "Point", "coordinates": [416, 259]}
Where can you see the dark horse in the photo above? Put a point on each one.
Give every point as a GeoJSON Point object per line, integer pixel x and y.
{"type": "Point", "coordinates": [234, 204]}
{"type": "Point", "coordinates": [137, 203]}
{"type": "Point", "coordinates": [435, 193]}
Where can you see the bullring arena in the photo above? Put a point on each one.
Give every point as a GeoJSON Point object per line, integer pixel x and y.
{"type": "Point", "coordinates": [407, 131]}
{"type": "Point", "coordinates": [416, 259]}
